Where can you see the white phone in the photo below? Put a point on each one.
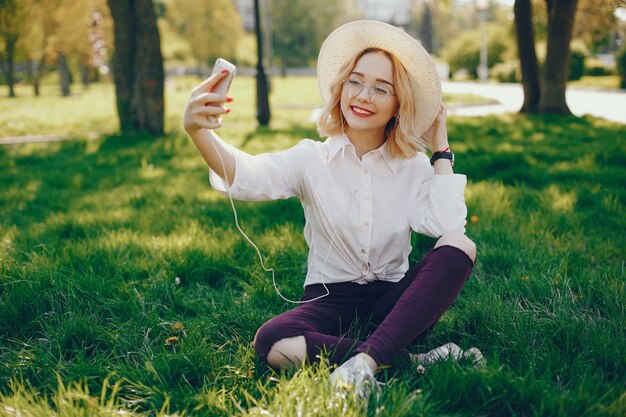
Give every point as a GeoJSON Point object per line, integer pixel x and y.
{"type": "Point", "coordinates": [220, 65]}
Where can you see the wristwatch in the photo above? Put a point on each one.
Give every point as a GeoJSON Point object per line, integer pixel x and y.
{"type": "Point", "coordinates": [444, 155]}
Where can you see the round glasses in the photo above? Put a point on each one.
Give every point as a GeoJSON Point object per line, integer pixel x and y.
{"type": "Point", "coordinates": [378, 94]}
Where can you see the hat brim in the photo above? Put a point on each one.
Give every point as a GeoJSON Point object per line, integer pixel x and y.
{"type": "Point", "coordinates": [350, 39]}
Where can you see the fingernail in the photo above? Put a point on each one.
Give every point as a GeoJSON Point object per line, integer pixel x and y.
{"type": "Point", "coordinates": [227, 111]}
{"type": "Point", "coordinates": [224, 71]}
{"type": "Point", "coordinates": [229, 99]}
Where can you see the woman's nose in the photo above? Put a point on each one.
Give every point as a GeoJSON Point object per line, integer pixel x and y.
{"type": "Point", "coordinates": [364, 95]}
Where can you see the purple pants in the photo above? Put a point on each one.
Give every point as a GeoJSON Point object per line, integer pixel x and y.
{"type": "Point", "coordinates": [380, 318]}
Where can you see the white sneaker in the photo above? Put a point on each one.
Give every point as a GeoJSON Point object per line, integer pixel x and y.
{"type": "Point", "coordinates": [355, 376]}
{"type": "Point", "coordinates": [449, 351]}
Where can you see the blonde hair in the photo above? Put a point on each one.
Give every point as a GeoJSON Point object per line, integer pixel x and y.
{"type": "Point", "coordinates": [401, 131]}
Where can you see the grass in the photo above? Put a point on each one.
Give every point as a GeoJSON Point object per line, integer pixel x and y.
{"type": "Point", "coordinates": [605, 81]}
{"type": "Point", "coordinates": [125, 287]}
{"type": "Point", "coordinates": [89, 112]}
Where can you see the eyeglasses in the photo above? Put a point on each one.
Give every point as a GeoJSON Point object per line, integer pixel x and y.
{"type": "Point", "coordinates": [377, 93]}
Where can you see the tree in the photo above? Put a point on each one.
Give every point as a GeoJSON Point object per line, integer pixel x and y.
{"type": "Point", "coordinates": [463, 52]}
{"type": "Point", "coordinates": [596, 22]}
{"type": "Point", "coordinates": [528, 56]}
{"type": "Point", "coordinates": [263, 114]}
{"type": "Point", "coordinates": [426, 28]}
{"type": "Point", "coordinates": [34, 44]}
{"type": "Point", "coordinates": [212, 27]}
{"type": "Point", "coordinates": [449, 19]}
{"type": "Point", "coordinates": [13, 15]}
{"type": "Point", "coordinates": [555, 73]}
{"type": "Point", "coordinates": [299, 28]}
{"type": "Point", "coordinates": [137, 66]}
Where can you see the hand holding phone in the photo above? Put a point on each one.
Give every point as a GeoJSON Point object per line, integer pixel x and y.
{"type": "Point", "coordinates": [203, 109]}
{"type": "Point", "coordinates": [224, 85]}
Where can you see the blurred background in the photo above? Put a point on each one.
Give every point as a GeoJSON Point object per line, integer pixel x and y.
{"type": "Point", "coordinates": [62, 47]}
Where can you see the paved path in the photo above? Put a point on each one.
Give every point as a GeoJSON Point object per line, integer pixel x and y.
{"type": "Point", "coordinates": [608, 104]}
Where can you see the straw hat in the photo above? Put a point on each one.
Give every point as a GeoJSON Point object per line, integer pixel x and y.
{"type": "Point", "coordinates": [350, 39]}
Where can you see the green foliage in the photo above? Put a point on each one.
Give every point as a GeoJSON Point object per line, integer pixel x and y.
{"type": "Point", "coordinates": [578, 55]}
{"type": "Point", "coordinates": [464, 51]}
{"type": "Point", "coordinates": [506, 72]}
{"type": "Point", "coordinates": [620, 58]}
{"type": "Point", "coordinates": [596, 23]}
{"type": "Point", "coordinates": [597, 68]}
{"type": "Point", "coordinates": [118, 260]}
{"type": "Point", "coordinates": [300, 26]}
{"type": "Point", "coordinates": [212, 27]}
{"type": "Point", "coordinates": [174, 46]}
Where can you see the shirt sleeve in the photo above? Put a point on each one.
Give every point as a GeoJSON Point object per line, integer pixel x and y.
{"type": "Point", "coordinates": [268, 176]}
{"type": "Point", "coordinates": [439, 207]}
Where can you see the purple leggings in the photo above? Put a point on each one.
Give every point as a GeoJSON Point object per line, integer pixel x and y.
{"type": "Point", "coordinates": [387, 316]}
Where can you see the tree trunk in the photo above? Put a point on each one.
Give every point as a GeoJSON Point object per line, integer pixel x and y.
{"type": "Point", "coordinates": [561, 15]}
{"type": "Point", "coordinates": [263, 113]}
{"type": "Point", "coordinates": [527, 55]}
{"type": "Point", "coordinates": [38, 74]}
{"type": "Point", "coordinates": [64, 74]}
{"type": "Point", "coordinates": [138, 66]}
{"type": "Point", "coordinates": [7, 62]}
{"type": "Point", "coordinates": [426, 29]}
{"type": "Point", "coordinates": [84, 76]}
{"type": "Point", "coordinates": [30, 73]}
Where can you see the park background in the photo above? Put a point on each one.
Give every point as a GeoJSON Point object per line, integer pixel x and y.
{"type": "Point", "coordinates": [126, 289]}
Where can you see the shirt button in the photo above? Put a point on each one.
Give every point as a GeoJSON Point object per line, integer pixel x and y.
{"type": "Point", "coordinates": [363, 251]}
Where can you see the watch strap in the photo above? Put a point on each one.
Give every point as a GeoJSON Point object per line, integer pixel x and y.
{"type": "Point", "coordinates": [444, 155]}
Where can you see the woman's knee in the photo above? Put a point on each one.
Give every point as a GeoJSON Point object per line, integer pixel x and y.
{"type": "Point", "coordinates": [276, 349]}
{"type": "Point", "coordinates": [459, 240]}
{"type": "Point", "coordinates": [288, 352]}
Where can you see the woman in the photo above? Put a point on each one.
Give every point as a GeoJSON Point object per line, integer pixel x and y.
{"type": "Point", "coordinates": [363, 190]}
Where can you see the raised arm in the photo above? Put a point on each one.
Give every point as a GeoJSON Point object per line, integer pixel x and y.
{"type": "Point", "coordinates": [437, 136]}
{"type": "Point", "coordinates": [202, 116]}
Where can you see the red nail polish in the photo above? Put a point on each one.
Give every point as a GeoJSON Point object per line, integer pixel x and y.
{"type": "Point", "coordinates": [227, 111]}
{"type": "Point", "coordinates": [224, 71]}
{"type": "Point", "coordinates": [229, 99]}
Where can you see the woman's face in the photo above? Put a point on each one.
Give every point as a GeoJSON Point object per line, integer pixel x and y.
{"type": "Point", "coordinates": [369, 110]}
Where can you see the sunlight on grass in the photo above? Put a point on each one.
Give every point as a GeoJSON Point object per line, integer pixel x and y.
{"type": "Point", "coordinates": [307, 393]}
{"type": "Point", "coordinates": [605, 81]}
{"type": "Point", "coordinates": [559, 200]}
{"type": "Point", "coordinates": [71, 400]}
{"type": "Point", "coordinates": [25, 193]}
{"type": "Point", "coordinates": [583, 162]}
{"type": "Point", "coordinates": [490, 199]}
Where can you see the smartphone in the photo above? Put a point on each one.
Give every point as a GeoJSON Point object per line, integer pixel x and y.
{"type": "Point", "coordinates": [220, 65]}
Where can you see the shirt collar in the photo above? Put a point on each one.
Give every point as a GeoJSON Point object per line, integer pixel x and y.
{"type": "Point", "coordinates": [392, 162]}
{"type": "Point", "coordinates": [339, 142]}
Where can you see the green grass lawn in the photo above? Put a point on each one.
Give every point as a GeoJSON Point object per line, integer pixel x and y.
{"type": "Point", "coordinates": [110, 247]}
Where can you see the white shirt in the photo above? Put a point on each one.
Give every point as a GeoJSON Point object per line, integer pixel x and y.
{"type": "Point", "coordinates": [365, 208]}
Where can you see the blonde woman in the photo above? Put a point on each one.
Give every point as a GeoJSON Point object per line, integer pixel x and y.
{"type": "Point", "coordinates": [363, 190]}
